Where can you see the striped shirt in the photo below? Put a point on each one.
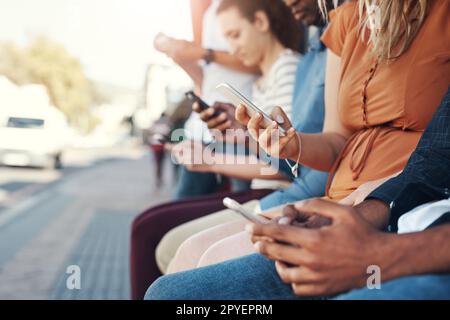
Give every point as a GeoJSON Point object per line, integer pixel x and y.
{"type": "Point", "coordinates": [277, 87]}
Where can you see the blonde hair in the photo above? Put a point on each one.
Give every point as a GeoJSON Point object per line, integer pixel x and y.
{"type": "Point", "coordinates": [397, 23]}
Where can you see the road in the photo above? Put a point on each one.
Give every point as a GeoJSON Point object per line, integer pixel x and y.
{"type": "Point", "coordinates": [80, 216]}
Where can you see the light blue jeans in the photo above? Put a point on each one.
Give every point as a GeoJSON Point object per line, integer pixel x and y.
{"type": "Point", "coordinates": [254, 277]}
{"type": "Point", "coordinates": [309, 184]}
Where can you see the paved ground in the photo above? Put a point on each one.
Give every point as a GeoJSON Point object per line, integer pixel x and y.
{"type": "Point", "coordinates": [80, 216]}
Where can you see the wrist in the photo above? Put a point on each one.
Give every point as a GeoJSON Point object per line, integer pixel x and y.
{"type": "Point", "coordinates": [208, 55]}
{"type": "Point", "coordinates": [398, 256]}
{"type": "Point", "coordinates": [296, 154]}
{"type": "Point", "coordinates": [374, 211]}
{"type": "Point", "coordinates": [387, 255]}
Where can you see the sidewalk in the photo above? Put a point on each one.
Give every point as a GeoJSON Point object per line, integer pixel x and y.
{"type": "Point", "coordinates": [84, 220]}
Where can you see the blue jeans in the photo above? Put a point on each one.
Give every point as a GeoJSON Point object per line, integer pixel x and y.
{"type": "Point", "coordinates": [309, 184]}
{"type": "Point", "coordinates": [254, 277]}
{"type": "Point", "coordinates": [192, 184]}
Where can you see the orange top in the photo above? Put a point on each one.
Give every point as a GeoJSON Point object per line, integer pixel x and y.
{"type": "Point", "coordinates": [386, 105]}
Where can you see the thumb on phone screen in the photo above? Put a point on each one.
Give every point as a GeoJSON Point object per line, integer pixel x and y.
{"type": "Point", "coordinates": [281, 118]}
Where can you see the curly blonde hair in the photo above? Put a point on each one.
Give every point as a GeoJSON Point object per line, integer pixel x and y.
{"type": "Point", "coordinates": [392, 24]}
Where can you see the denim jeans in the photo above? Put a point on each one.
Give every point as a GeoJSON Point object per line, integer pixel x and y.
{"type": "Point", "coordinates": [193, 184]}
{"type": "Point", "coordinates": [309, 184]}
{"type": "Point", "coordinates": [254, 277]}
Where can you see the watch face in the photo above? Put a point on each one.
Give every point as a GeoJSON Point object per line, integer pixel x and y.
{"type": "Point", "coordinates": [209, 56]}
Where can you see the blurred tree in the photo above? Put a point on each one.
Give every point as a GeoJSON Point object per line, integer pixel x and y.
{"type": "Point", "coordinates": [48, 63]}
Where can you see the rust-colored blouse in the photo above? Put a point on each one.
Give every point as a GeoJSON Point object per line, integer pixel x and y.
{"type": "Point", "coordinates": [386, 105]}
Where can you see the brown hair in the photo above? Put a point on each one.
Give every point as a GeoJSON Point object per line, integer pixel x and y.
{"type": "Point", "coordinates": [282, 21]}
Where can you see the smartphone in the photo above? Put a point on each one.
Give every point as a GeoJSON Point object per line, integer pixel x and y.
{"type": "Point", "coordinates": [236, 207]}
{"type": "Point", "coordinates": [194, 98]}
{"type": "Point", "coordinates": [237, 98]}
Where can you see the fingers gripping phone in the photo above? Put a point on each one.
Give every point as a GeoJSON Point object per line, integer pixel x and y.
{"type": "Point", "coordinates": [237, 98]}
{"type": "Point", "coordinates": [236, 207]}
{"type": "Point", "coordinates": [202, 104]}
{"type": "Point", "coordinates": [194, 98]}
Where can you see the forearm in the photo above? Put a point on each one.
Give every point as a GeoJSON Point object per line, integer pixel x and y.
{"type": "Point", "coordinates": [230, 61]}
{"type": "Point", "coordinates": [248, 171]}
{"type": "Point", "coordinates": [375, 212]}
{"type": "Point", "coordinates": [416, 253]}
{"type": "Point", "coordinates": [223, 58]}
{"type": "Point", "coordinates": [319, 151]}
{"type": "Point", "coordinates": [194, 71]}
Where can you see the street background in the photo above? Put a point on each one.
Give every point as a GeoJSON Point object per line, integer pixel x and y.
{"type": "Point", "coordinates": [80, 87]}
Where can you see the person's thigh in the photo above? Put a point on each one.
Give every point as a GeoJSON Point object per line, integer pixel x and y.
{"type": "Point", "coordinates": [251, 277]}
{"type": "Point", "coordinates": [232, 247]}
{"type": "Point", "coordinates": [422, 287]}
{"type": "Point", "coordinates": [190, 251]}
{"type": "Point", "coordinates": [171, 242]}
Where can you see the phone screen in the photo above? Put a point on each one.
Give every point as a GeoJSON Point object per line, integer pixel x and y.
{"type": "Point", "coordinates": [237, 98]}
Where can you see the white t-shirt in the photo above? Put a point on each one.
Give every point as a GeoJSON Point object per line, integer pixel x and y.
{"type": "Point", "coordinates": [276, 89]}
{"type": "Point", "coordinates": [423, 216]}
{"type": "Point", "coordinates": [214, 74]}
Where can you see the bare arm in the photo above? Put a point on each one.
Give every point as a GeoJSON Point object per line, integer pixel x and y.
{"type": "Point", "coordinates": [188, 51]}
{"type": "Point", "coordinates": [198, 9]}
{"type": "Point", "coordinates": [230, 61]}
{"type": "Point", "coordinates": [408, 254]}
{"type": "Point", "coordinates": [317, 151]}
{"type": "Point", "coordinates": [193, 70]}
{"type": "Point", "coordinates": [417, 253]}
{"type": "Point", "coordinates": [248, 171]}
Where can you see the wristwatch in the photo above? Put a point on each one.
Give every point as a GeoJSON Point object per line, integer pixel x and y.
{"type": "Point", "coordinates": [208, 57]}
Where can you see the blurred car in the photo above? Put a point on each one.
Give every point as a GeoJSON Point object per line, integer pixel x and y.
{"type": "Point", "coordinates": [33, 137]}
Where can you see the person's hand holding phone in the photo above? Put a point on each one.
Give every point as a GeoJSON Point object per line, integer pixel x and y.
{"type": "Point", "coordinates": [219, 118]}
{"type": "Point", "coordinates": [291, 216]}
{"type": "Point", "coordinates": [269, 137]}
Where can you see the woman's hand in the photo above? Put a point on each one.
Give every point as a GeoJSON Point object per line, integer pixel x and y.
{"type": "Point", "coordinates": [269, 138]}
{"type": "Point", "coordinates": [178, 50]}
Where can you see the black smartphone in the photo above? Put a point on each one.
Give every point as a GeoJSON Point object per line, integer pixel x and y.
{"type": "Point", "coordinates": [194, 98]}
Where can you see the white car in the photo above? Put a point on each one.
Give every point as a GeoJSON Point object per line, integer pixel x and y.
{"type": "Point", "coordinates": [33, 137]}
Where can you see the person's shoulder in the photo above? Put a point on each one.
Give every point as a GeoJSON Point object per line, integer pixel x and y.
{"type": "Point", "coordinates": [348, 8]}
{"type": "Point", "coordinates": [347, 13]}
{"type": "Point", "coordinates": [289, 57]}
{"type": "Point", "coordinates": [287, 64]}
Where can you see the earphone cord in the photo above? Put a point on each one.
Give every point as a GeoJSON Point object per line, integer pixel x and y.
{"type": "Point", "coordinates": [294, 168]}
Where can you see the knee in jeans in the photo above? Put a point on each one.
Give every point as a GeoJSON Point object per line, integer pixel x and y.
{"type": "Point", "coordinates": [161, 289]}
